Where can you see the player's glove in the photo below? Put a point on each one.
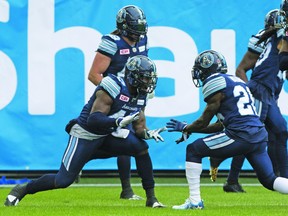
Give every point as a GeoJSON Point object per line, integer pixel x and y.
{"type": "Point", "coordinates": [175, 125]}
{"type": "Point", "coordinates": [184, 137]}
{"type": "Point", "coordinates": [126, 120]}
{"type": "Point", "coordinates": [154, 134]}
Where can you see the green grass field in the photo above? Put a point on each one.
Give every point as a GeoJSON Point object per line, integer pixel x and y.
{"type": "Point", "coordinates": [101, 199]}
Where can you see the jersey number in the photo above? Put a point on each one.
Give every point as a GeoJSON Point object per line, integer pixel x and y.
{"type": "Point", "coordinates": [245, 102]}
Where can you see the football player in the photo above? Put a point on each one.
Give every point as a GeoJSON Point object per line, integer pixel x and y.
{"type": "Point", "coordinates": [112, 123]}
{"type": "Point", "coordinates": [238, 130]}
{"type": "Point", "coordinates": [265, 84]}
{"type": "Point", "coordinates": [129, 39]}
{"type": "Point", "coordinates": [283, 59]}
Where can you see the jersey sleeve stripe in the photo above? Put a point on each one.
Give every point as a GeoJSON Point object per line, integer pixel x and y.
{"type": "Point", "coordinates": [213, 86]}
{"type": "Point", "coordinates": [110, 86]}
{"type": "Point", "coordinates": [108, 46]}
{"type": "Point", "coordinates": [252, 47]}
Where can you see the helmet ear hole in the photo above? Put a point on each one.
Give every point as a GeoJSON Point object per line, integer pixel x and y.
{"type": "Point", "coordinates": [124, 26]}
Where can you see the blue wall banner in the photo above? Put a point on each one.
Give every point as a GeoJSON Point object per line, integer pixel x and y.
{"type": "Point", "coordinates": [47, 48]}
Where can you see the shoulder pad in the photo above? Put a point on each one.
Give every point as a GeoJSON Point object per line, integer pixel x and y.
{"type": "Point", "coordinates": [254, 40]}
{"type": "Point", "coordinates": [213, 84]}
{"type": "Point", "coordinates": [111, 86]}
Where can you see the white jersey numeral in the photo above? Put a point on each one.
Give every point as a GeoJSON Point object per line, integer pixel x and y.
{"type": "Point", "coordinates": [245, 103]}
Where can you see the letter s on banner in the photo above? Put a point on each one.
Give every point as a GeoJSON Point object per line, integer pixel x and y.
{"type": "Point", "coordinates": [186, 98]}
{"type": "Point", "coordinates": [41, 56]}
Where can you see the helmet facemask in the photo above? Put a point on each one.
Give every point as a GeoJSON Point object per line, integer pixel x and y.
{"type": "Point", "coordinates": [140, 72]}
{"type": "Point", "coordinates": [145, 82]}
{"type": "Point", "coordinates": [196, 74]}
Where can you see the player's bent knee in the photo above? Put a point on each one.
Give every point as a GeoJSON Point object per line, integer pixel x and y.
{"type": "Point", "coordinates": [191, 155]}
{"type": "Point", "coordinates": [63, 181]}
{"type": "Point", "coordinates": [268, 183]}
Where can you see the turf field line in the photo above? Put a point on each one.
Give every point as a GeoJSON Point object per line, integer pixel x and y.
{"type": "Point", "coordinates": [157, 185]}
{"type": "Point", "coordinates": [140, 185]}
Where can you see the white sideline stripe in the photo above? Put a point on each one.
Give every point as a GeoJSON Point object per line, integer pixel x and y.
{"type": "Point", "coordinates": [140, 185]}
{"type": "Point", "coordinates": [157, 185]}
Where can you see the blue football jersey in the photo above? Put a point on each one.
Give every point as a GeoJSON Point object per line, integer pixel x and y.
{"type": "Point", "coordinates": [266, 69]}
{"type": "Point", "coordinates": [123, 102]}
{"type": "Point", "coordinates": [119, 51]}
{"type": "Point", "coordinates": [253, 46]}
{"type": "Point", "coordinates": [237, 111]}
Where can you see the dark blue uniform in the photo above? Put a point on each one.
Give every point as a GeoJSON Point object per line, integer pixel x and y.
{"type": "Point", "coordinates": [119, 51]}
{"type": "Point", "coordinates": [258, 49]}
{"type": "Point", "coordinates": [277, 84]}
{"type": "Point", "coordinates": [123, 103]}
{"type": "Point", "coordinates": [237, 111]}
{"type": "Point", "coordinates": [244, 133]}
{"type": "Point", "coordinates": [85, 143]}
{"type": "Point", "coordinates": [266, 71]}
{"type": "Point", "coordinates": [116, 48]}
{"type": "Point", "coordinates": [266, 84]}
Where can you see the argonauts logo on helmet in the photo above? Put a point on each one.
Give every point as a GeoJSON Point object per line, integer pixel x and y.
{"type": "Point", "coordinates": [206, 60]}
{"type": "Point", "coordinates": [121, 16]}
{"type": "Point", "coordinates": [134, 64]}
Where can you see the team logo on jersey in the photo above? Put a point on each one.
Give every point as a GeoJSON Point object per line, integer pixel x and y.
{"type": "Point", "coordinates": [124, 98]}
{"type": "Point", "coordinates": [124, 52]}
{"type": "Point", "coordinates": [140, 102]}
{"type": "Point", "coordinates": [141, 48]}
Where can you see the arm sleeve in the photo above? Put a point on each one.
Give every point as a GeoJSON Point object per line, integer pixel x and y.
{"type": "Point", "coordinates": [108, 46]}
{"type": "Point", "coordinates": [100, 121]}
{"type": "Point", "coordinates": [213, 86]}
{"type": "Point", "coordinates": [253, 45]}
{"type": "Point", "coordinates": [283, 61]}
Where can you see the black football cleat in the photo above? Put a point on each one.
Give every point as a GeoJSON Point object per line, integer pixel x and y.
{"type": "Point", "coordinates": [129, 195]}
{"type": "Point", "coordinates": [15, 195]}
{"type": "Point", "coordinates": [233, 188]}
{"type": "Point", "coordinates": [154, 203]}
